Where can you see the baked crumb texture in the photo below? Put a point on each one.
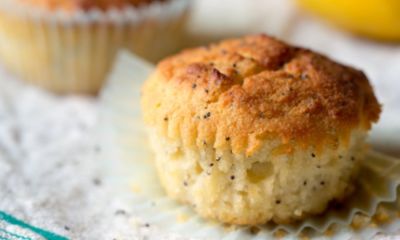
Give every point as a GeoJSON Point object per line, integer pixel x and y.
{"type": "Point", "coordinates": [251, 130]}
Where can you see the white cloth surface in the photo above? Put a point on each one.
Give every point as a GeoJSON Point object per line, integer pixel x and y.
{"type": "Point", "coordinates": [49, 174]}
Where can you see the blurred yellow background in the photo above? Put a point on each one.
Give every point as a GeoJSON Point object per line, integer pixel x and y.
{"type": "Point", "coordinates": [378, 19]}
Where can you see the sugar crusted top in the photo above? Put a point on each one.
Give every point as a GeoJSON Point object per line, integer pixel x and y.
{"type": "Point", "coordinates": [73, 5]}
{"type": "Point", "coordinates": [240, 92]}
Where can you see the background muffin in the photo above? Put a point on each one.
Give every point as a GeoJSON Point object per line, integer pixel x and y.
{"type": "Point", "coordinates": [251, 130]}
{"type": "Point", "coordinates": [69, 46]}
{"type": "Point", "coordinates": [73, 5]}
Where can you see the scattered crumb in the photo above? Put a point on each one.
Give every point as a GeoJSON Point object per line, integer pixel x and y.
{"type": "Point", "coordinates": [182, 218]}
{"type": "Point", "coordinates": [97, 181]}
{"type": "Point", "coordinates": [360, 221]}
{"type": "Point", "coordinates": [280, 234]}
{"type": "Point", "coordinates": [298, 212]}
{"type": "Point", "coordinates": [304, 236]}
{"type": "Point", "coordinates": [229, 227]}
{"type": "Point", "coordinates": [381, 216]}
{"type": "Point", "coordinates": [373, 225]}
{"type": "Point", "coordinates": [330, 231]}
{"type": "Point", "coordinates": [254, 230]}
{"type": "Point", "coordinates": [120, 212]}
{"type": "Point", "coordinates": [134, 222]}
{"type": "Point", "coordinates": [135, 188]}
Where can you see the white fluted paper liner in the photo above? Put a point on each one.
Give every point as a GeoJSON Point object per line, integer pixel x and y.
{"type": "Point", "coordinates": [129, 160]}
{"type": "Point", "coordinates": [73, 51]}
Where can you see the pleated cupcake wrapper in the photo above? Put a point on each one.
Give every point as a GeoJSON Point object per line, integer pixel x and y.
{"type": "Point", "coordinates": [73, 51]}
{"type": "Point", "coordinates": [129, 162]}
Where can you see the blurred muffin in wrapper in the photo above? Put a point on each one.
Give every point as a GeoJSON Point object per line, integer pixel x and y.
{"type": "Point", "coordinates": [69, 46]}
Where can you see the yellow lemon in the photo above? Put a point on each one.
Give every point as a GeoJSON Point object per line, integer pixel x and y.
{"type": "Point", "coordinates": [379, 19]}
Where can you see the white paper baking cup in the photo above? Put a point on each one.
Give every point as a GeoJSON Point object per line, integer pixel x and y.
{"type": "Point", "coordinates": [74, 51]}
{"type": "Point", "coordinates": [130, 167]}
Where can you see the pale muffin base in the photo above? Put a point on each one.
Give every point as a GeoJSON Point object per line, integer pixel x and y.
{"type": "Point", "coordinates": [65, 55]}
{"type": "Point", "coordinates": [253, 190]}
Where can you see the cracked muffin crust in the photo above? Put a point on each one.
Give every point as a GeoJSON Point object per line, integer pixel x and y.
{"type": "Point", "coordinates": [274, 89]}
{"type": "Point", "coordinates": [238, 127]}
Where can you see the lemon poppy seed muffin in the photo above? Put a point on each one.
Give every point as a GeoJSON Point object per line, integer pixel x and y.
{"type": "Point", "coordinates": [253, 130]}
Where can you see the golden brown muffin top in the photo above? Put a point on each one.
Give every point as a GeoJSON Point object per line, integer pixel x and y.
{"type": "Point", "coordinates": [241, 92]}
{"type": "Point", "coordinates": [72, 5]}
